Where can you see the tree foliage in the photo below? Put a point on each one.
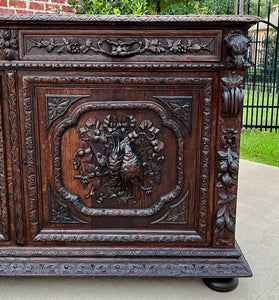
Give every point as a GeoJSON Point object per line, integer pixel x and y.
{"type": "Point", "coordinates": [170, 7]}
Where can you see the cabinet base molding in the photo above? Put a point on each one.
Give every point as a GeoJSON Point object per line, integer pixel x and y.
{"type": "Point", "coordinates": [206, 263]}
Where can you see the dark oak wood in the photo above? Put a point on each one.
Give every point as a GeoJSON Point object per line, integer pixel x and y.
{"type": "Point", "coordinates": [119, 145]}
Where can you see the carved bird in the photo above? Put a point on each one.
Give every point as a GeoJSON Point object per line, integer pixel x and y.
{"type": "Point", "coordinates": [131, 171]}
{"type": "Point", "coordinates": [114, 162]}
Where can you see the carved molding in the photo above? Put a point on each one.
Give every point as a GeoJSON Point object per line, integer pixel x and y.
{"type": "Point", "coordinates": [114, 236]}
{"type": "Point", "coordinates": [4, 215]}
{"type": "Point", "coordinates": [15, 156]}
{"type": "Point", "coordinates": [129, 18]}
{"type": "Point", "coordinates": [113, 252]}
{"type": "Point", "coordinates": [126, 47]}
{"type": "Point", "coordinates": [176, 214]}
{"type": "Point", "coordinates": [59, 213]}
{"type": "Point", "coordinates": [232, 94]}
{"type": "Point", "coordinates": [236, 45]}
{"type": "Point", "coordinates": [205, 157]}
{"type": "Point", "coordinates": [107, 66]}
{"type": "Point", "coordinates": [8, 44]}
{"type": "Point", "coordinates": [202, 268]}
{"type": "Point", "coordinates": [181, 107]}
{"type": "Point", "coordinates": [227, 172]}
{"type": "Point", "coordinates": [57, 105]}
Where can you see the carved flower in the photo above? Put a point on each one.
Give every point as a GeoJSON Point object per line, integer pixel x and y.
{"type": "Point", "coordinates": [8, 43]}
{"type": "Point", "coordinates": [233, 80]}
{"type": "Point", "coordinates": [154, 46]}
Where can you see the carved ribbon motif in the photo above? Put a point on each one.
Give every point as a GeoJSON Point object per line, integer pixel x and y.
{"type": "Point", "coordinates": [228, 164]}
{"type": "Point", "coordinates": [126, 47]}
{"type": "Point", "coordinates": [118, 158]}
{"type": "Point", "coordinates": [232, 94]}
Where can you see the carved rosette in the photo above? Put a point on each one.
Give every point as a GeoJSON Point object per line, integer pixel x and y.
{"type": "Point", "coordinates": [232, 94]}
{"type": "Point", "coordinates": [8, 44]}
{"type": "Point", "coordinates": [236, 45]}
{"type": "Point", "coordinates": [227, 172]}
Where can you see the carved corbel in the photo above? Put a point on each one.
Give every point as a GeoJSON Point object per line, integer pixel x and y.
{"type": "Point", "coordinates": [232, 94]}
{"type": "Point", "coordinates": [236, 45]}
{"type": "Point", "coordinates": [8, 44]}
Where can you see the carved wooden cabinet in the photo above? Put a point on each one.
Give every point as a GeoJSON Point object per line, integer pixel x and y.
{"type": "Point", "coordinates": [119, 144]}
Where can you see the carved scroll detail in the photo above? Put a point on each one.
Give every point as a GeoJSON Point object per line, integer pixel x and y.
{"type": "Point", "coordinates": [59, 212]}
{"type": "Point", "coordinates": [123, 48]}
{"type": "Point", "coordinates": [236, 45]}
{"type": "Point", "coordinates": [232, 94]}
{"type": "Point", "coordinates": [227, 171]}
{"type": "Point", "coordinates": [177, 213]}
{"type": "Point", "coordinates": [8, 44]}
{"type": "Point", "coordinates": [128, 161]}
{"type": "Point", "coordinates": [57, 105]}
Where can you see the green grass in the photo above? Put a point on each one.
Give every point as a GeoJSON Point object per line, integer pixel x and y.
{"type": "Point", "coordinates": [258, 146]}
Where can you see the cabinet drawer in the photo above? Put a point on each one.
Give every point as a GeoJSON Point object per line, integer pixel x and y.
{"type": "Point", "coordinates": [113, 45]}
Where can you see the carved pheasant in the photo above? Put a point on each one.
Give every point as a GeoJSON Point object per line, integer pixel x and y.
{"type": "Point", "coordinates": [131, 171]}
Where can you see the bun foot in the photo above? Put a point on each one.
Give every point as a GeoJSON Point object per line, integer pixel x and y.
{"type": "Point", "coordinates": [221, 284]}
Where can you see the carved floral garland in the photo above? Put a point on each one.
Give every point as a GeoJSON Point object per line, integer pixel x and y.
{"type": "Point", "coordinates": [117, 47]}
{"type": "Point", "coordinates": [118, 158]}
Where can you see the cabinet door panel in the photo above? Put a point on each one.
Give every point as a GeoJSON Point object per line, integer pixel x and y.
{"type": "Point", "coordinates": [111, 159]}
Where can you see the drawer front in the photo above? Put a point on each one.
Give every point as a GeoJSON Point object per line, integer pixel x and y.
{"type": "Point", "coordinates": [134, 46]}
{"type": "Point", "coordinates": [117, 159]}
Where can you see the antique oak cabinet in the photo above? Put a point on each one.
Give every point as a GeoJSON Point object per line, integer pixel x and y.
{"type": "Point", "coordinates": [119, 145]}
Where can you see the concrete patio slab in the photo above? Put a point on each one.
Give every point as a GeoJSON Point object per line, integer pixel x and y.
{"type": "Point", "coordinates": [257, 234]}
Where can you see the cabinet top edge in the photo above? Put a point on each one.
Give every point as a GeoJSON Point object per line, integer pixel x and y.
{"type": "Point", "coordinates": [44, 18]}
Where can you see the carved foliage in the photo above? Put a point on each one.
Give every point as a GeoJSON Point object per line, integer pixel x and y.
{"type": "Point", "coordinates": [15, 157]}
{"type": "Point", "coordinates": [4, 219]}
{"type": "Point", "coordinates": [8, 44]}
{"type": "Point", "coordinates": [59, 212]}
{"type": "Point", "coordinates": [201, 268]}
{"type": "Point", "coordinates": [176, 214]}
{"type": "Point", "coordinates": [123, 48]}
{"type": "Point", "coordinates": [181, 107]}
{"type": "Point", "coordinates": [236, 45]}
{"type": "Point", "coordinates": [119, 158]}
{"type": "Point", "coordinates": [232, 94]}
{"type": "Point", "coordinates": [57, 106]}
{"type": "Point", "coordinates": [227, 170]}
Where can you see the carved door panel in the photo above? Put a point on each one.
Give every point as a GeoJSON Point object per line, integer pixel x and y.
{"type": "Point", "coordinates": [117, 159]}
